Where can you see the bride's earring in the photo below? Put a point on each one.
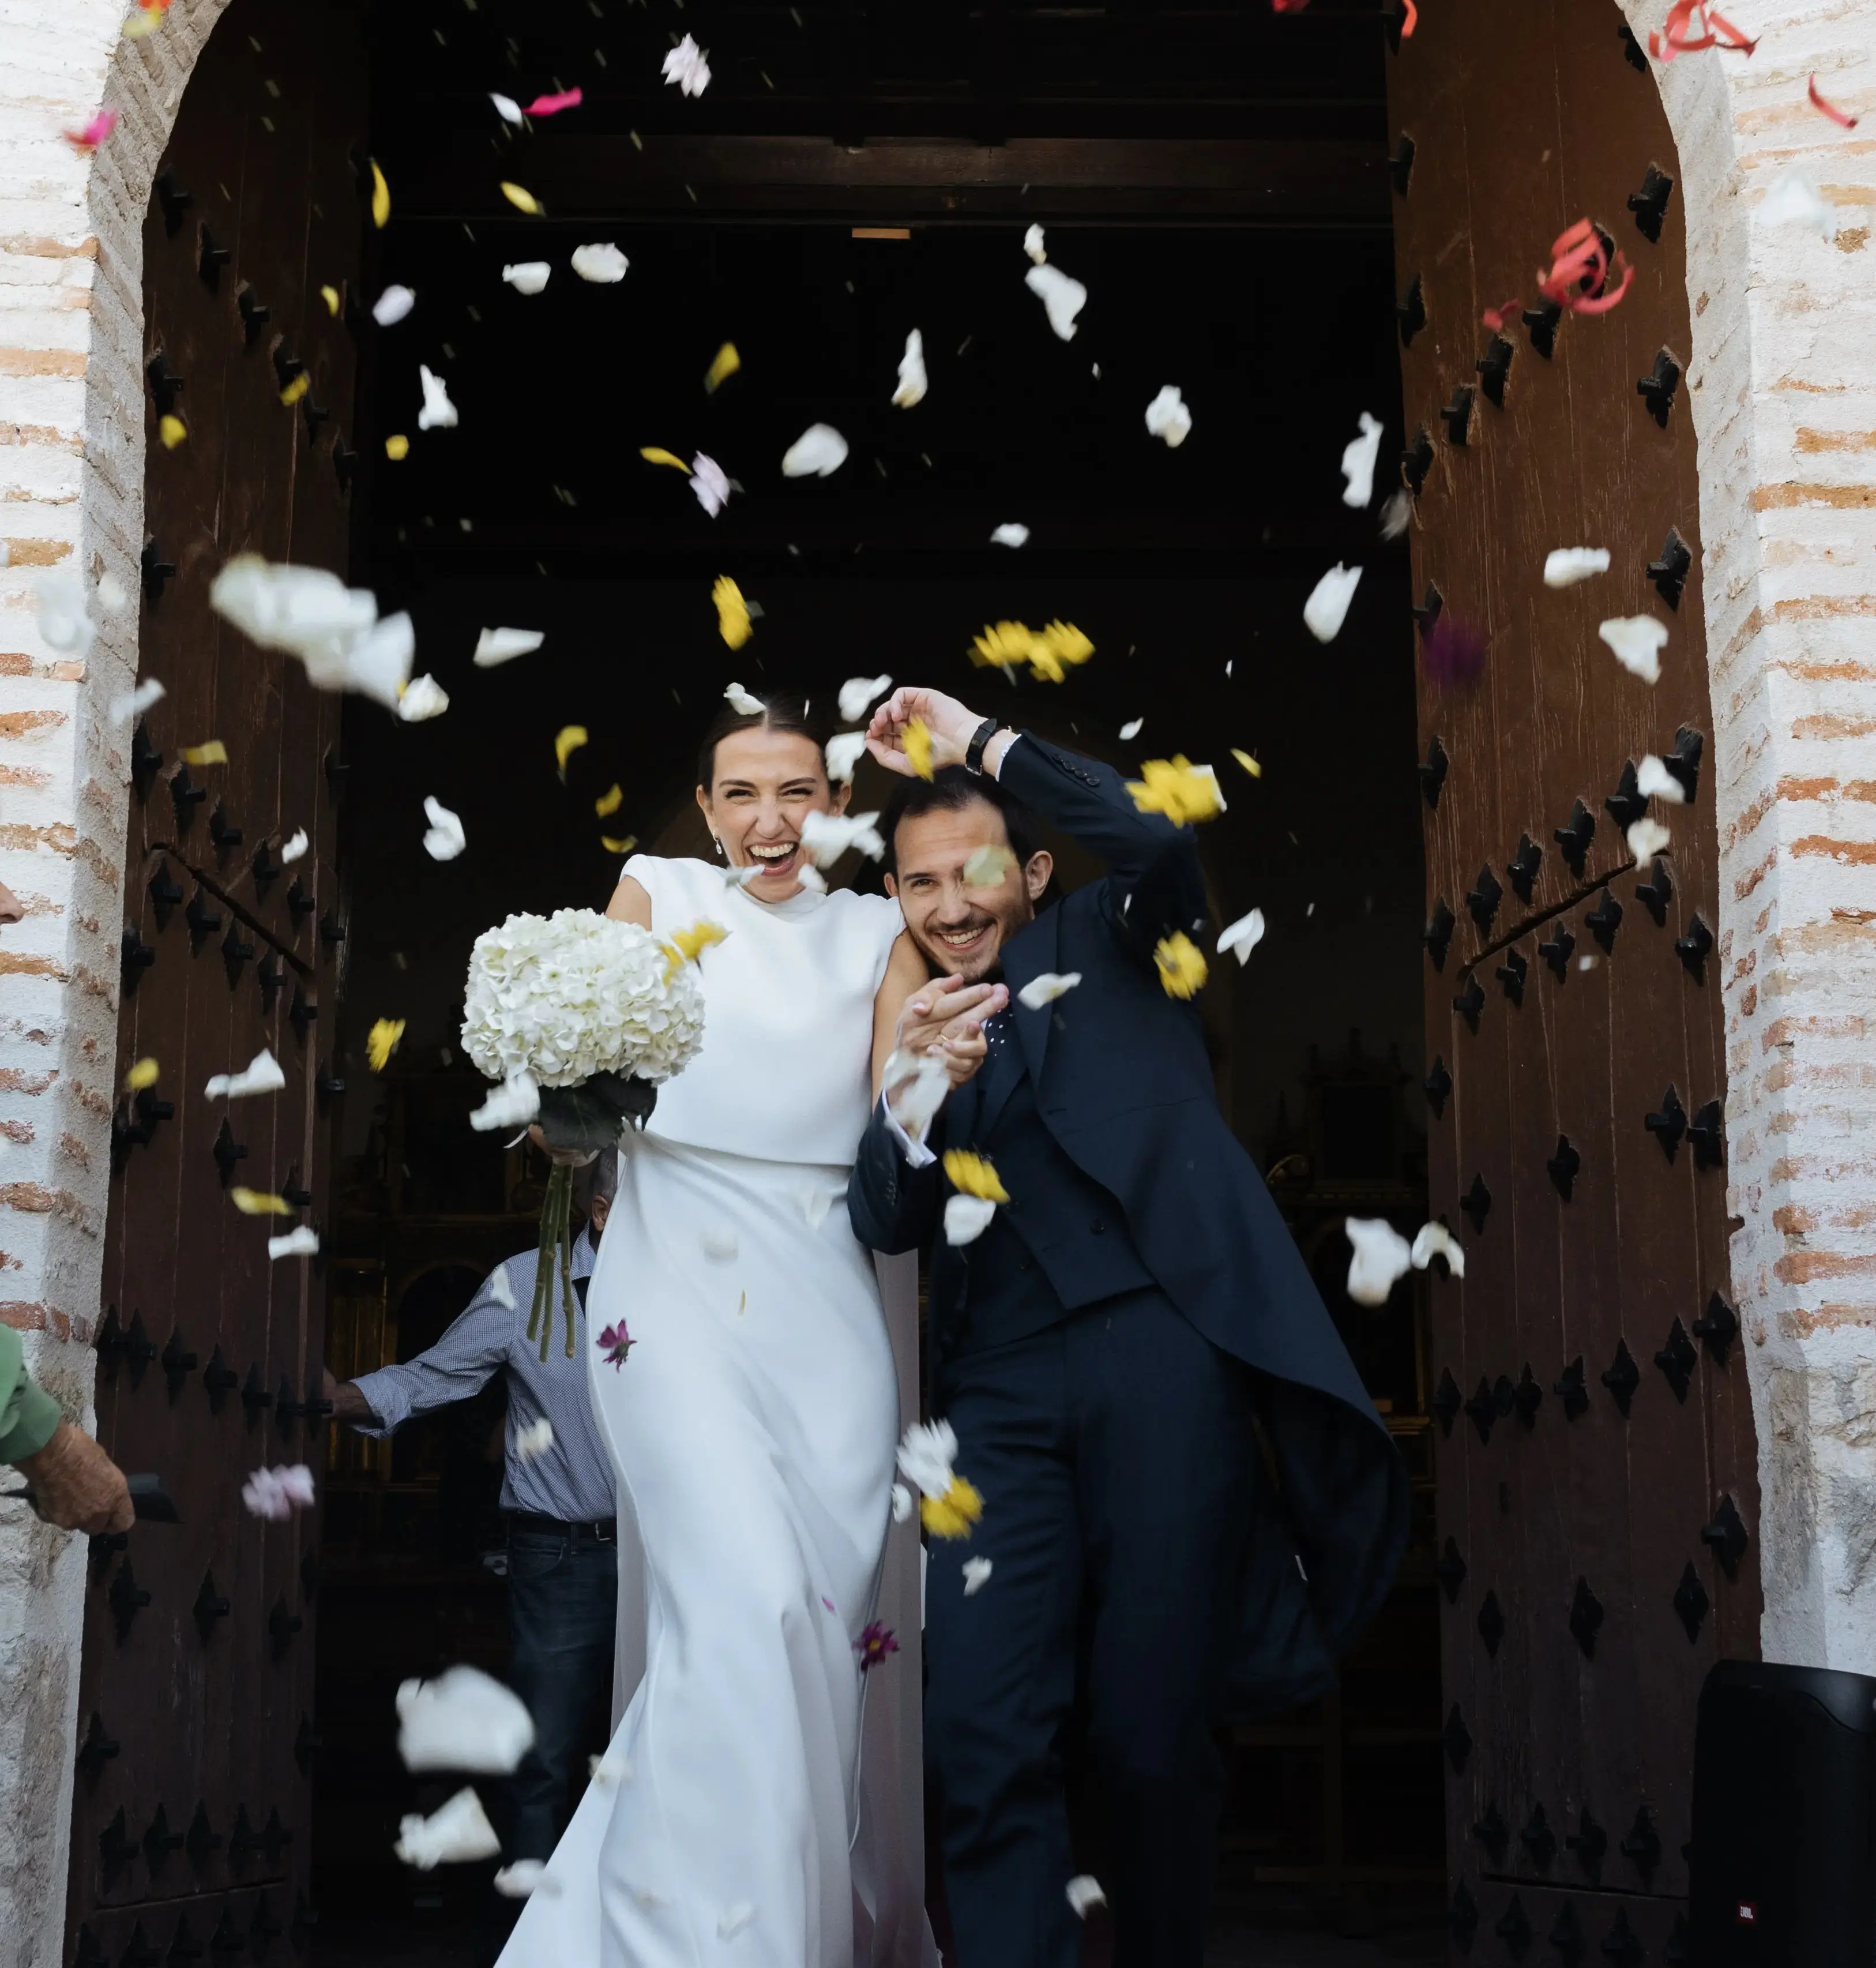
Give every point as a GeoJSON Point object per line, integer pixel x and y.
{"type": "Point", "coordinates": [716, 841]}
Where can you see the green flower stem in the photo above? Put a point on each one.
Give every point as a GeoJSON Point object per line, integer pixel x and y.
{"type": "Point", "coordinates": [554, 1251]}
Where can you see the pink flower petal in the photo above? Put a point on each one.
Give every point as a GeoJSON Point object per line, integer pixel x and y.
{"type": "Point", "coordinates": [551, 106]}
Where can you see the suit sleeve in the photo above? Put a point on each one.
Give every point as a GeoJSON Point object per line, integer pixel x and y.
{"type": "Point", "coordinates": [892, 1206]}
{"type": "Point", "coordinates": [1156, 886]}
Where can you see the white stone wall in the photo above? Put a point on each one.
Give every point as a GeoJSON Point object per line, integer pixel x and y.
{"type": "Point", "coordinates": [1783, 384]}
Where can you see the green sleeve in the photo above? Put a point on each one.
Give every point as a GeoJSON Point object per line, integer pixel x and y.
{"type": "Point", "coordinates": [28, 1415]}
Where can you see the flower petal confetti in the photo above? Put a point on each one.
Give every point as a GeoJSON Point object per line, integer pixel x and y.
{"type": "Point", "coordinates": [1647, 838]}
{"type": "Point", "coordinates": [624, 846]}
{"type": "Point", "coordinates": [1358, 458]}
{"type": "Point", "coordinates": [686, 65]}
{"type": "Point", "coordinates": [536, 1440]}
{"type": "Point", "coordinates": [1181, 965]}
{"type": "Point", "coordinates": [1176, 788]}
{"type": "Point", "coordinates": [615, 1344]}
{"type": "Point", "coordinates": [739, 1914]}
{"type": "Point", "coordinates": [86, 141]}
{"type": "Point", "coordinates": [1131, 730]}
{"type": "Point", "coordinates": [845, 751]}
{"type": "Point", "coordinates": [65, 623]}
{"type": "Point", "coordinates": [1637, 642]}
{"type": "Point", "coordinates": [527, 277]}
{"type": "Point", "coordinates": [609, 801]}
{"type": "Point", "coordinates": [710, 483]}
{"type": "Point", "coordinates": [1581, 270]}
{"type": "Point", "coordinates": [1046, 987]}
{"type": "Point", "coordinates": [724, 365]}
{"type": "Point", "coordinates": [1011, 533]}
{"type": "Point", "coordinates": [501, 645]}
{"type": "Point", "coordinates": [381, 1041]}
{"type": "Point", "coordinates": [977, 1572]}
{"type": "Point", "coordinates": [818, 451]}
{"type": "Point", "coordinates": [1563, 567]}
{"type": "Point", "coordinates": [295, 848]}
{"type": "Point", "coordinates": [1062, 297]}
{"type": "Point", "coordinates": [393, 306]}
{"type": "Point", "coordinates": [877, 1640]}
{"type": "Point", "coordinates": [522, 199]}
{"type": "Point", "coordinates": [733, 624]}
{"type": "Point", "coordinates": [380, 197]}
{"type": "Point", "coordinates": [948, 1505]}
{"type": "Point", "coordinates": [297, 388]}
{"type": "Point", "coordinates": [522, 1878]}
{"type": "Point", "coordinates": [422, 698]}
{"type": "Point", "coordinates": [438, 412]}
{"type": "Point", "coordinates": [1168, 418]}
{"type": "Point", "coordinates": [915, 1084]}
{"type": "Point", "coordinates": [1248, 763]}
{"type": "Point", "coordinates": [1243, 937]}
{"type": "Point", "coordinates": [214, 752]}
{"type": "Point", "coordinates": [397, 447]}
{"type": "Point", "coordinates": [1434, 1240]}
{"type": "Point", "coordinates": [1794, 200]}
{"type": "Point", "coordinates": [721, 1247]}
{"type": "Point", "coordinates": [259, 1202]}
{"type": "Point", "coordinates": [1843, 120]}
{"type": "Point", "coordinates": [828, 835]}
{"type": "Point", "coordinates": [262, 1074]}
{"type": "Point", "coordinates": [916, 740]}
{"type": "Point", "coordinates": [456, 1833]}
{"type": "Point", "coordinates": [303, 1242]}
{"type": "Point", "coordinates": [146, 1073]}
{"type": "Point", "coordinates": [912, 378]}
{"type": "Point", "coordinates": [1033, 246]}
{"type": "Point", "coordinates": [1084, 1894]}
{"type": "Point", "coordinates": [691, 942]}
{"type": "Point", "coordinates": [567, 741]}
{"type": "Point", "coordinates": [741, 703]}
{"type": "Point", "coordinates": [1452, 654]}
{"type": "Point", "coordinates": [1327, 606]}
{"type": "Point", "coordinates": [134, 703]}
{"type": "Point", "coordinates": [276, 1494]}
{"type": "Point", "coordinates": [989, 867]}
{"type": "Point", "coordinates": [857, 694]}
{"type": "Point", "coordinates": [1654, 780]}
{"type": "Point", "coordinates": [604, 266]}
{"type": "Point", "coordinates": [1382, 1256]}
{"type": "Point", "coordinates": [506, 107]}
{"type": "Point", "coordinates": [444, 839]}
{"type": "Point", "coordinates": [171, 430]}
{"type": "Point", "coordinates": [513, 1104]}
{"type": "Point", "coordinates": [1049, 653]}
{"type": "Point", "coordinates": [551, 106]}
{"type": "Point", "coordinates": [901, 1504]}
{"type": "Point", "coordinates": [973, 1175]}
{"type": "Point", "coordinates": [966, 1219]}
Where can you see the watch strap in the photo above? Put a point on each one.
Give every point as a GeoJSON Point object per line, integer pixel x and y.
{"type": "Point", "coordinates": [980, 738]}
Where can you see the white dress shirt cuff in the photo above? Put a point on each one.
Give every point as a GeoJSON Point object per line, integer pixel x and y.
{"type": "Point", "coordinates": [917, 1154]}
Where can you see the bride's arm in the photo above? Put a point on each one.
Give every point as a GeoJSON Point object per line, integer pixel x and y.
{"type": "Point", "coordinates": [630, 903]}
{"type": "Point", "coordinates": [905, 972]}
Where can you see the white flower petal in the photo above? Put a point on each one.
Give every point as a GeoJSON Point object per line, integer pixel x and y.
{"type": "Point", "coordinates": [423, 697]}
{"type": "Point", "coordinates": [857, 693]}
{"type": "Point", "coordinates": [818, 451]}
{"type": "Point", "coordinates": [1167, 417]}
{"type": "Point", "coordinates": [615, 1767]}
{"type": "Point", "coordinates": [845, 750]}
{"type": "Point", "coordinates": [741, 703]}
{"type": "Point", "coordinates": [828, 835]}
{"type": "Point", "coordinates": [817, 1200]}
{"type": "Point", "coordinates": [686, 65]}
{"type": "Point", "coordinates": [737, 1915]}
{"type": "Point", "coordinates": [1327, 606]}
{"type": "Point", "coordinates": [1243, 936]}
{"type": "Point", "coordinates": [294, 848]}
{"type": "Point", "coordinates": [1654, 780]}
{"type": "Point", "coordinates": [501, 645]}
{"type": "Point", "coordinates": [524, 1877]}
{"type": "Point", "coordinates": [711, 484]}
{"type": "Point", "coordinates": [506, 107]}
{"type": "Point", "coordinates": [1434, 1240]}
{"type": "Point", "coordinates": [901, 1504]}
{"type": "Point", "coordinates": [1563, 567]}
{"type": "Point", "coordinates": [392, 305]}
{"type": "Point", "coordinates": [456, 1833]}
{"type": "Point", "coordinates": [113, 597]}
{"type": "Point", "coordinates": [1381, 1257]}
{"type": "Point", "coordinates": [1397, 514]}
{"type": "Point", "coordinates": [464, 1719]}
{"type": "Point", "coordinates": [303, 1242]}
{"type": "Point", "coordinates": [912, 379]}
{"type": "Point", "coordinates": [915, 1084]}
{"type": "Point", "coordinates": [1033, 244]}
{"type": "Point", "coordinates": [1084, 1893]}
{"type": "Point", "coordinates": [64, 623]}
{"type": "Point", "coordinates": [1064, 298]}
{"type": "Point", "coordinates": [513, 1104]}
{"type": "Point", "coordinates": [1647, 838]}
{"type": "Point", "coordinates": [536, 1440]}
{"type": "Point", "coordinates": [603, 265]}
{"type": "Point", "coordinates": [1794, 200]}
{"type": "Point", "coordinates": [1131, 729]}
{"type": "Point", "coordinates": [720, 1246]}
{"type": "Point", "coordinates": [312, 614]}
{"type": "Point", "coordinates": [1011, 533]}
{"type": "Point", "coordinates": [527, 277]}
{"type": "Point", "coordinates": [925, 1455]}
{"type": "Point", "coordinates": [976, 1575]}
{"type": "Point", "coordinates": [438, 412]}
{"type": "Point", "coordinates": [967, 1218]}
{"type": "Point", "coordinates": [1638, 641]}
{"type": "Point", "coordinates": [445, 838]}
{"type": "Point", "coordinates": [1358, 457]}
{"type": "Point", "coordinates": [1046, 987]}
{"type": "Point", "coordinates": [134, 703]}
{"type": "Point", "coordinates": [261, 1075]}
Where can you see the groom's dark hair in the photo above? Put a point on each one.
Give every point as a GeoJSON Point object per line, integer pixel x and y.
{"type": "Point", "coordinates": [950, 789]}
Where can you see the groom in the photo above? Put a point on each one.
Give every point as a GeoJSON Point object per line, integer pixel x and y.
{"type": "Point", "coordinates": [1188, 1497]}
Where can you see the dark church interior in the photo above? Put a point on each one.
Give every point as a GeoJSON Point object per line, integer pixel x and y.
{"type": "Point", "coordinates": [1269, 304]}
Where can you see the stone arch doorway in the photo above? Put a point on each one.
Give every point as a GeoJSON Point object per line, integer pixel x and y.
{"type": "Point", "coordinates": [1779, 777]}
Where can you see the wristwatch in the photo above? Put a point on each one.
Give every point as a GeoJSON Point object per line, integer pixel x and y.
{"type": "Point", "coordinates": [981, 737]}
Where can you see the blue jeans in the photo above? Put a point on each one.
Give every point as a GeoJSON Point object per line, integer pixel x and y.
{"type": "Point", "coordinates": [562, 1602]}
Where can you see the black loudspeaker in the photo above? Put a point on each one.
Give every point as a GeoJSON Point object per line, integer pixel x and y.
{"type": "Point", "coordinates": [1783, 1873]}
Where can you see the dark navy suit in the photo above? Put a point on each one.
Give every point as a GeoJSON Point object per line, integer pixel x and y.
{"type": "Point", "coordinates": [1188, 1498]}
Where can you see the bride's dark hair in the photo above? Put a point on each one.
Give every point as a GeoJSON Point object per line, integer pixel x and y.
{"type": "Point", "coordinates": [782, 711]}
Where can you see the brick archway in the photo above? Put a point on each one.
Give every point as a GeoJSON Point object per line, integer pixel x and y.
{"type": "Point", "coordinates": [1782, 384]}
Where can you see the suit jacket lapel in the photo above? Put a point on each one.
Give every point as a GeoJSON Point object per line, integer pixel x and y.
{"type": "Point", "coordinates": [1030, 953]}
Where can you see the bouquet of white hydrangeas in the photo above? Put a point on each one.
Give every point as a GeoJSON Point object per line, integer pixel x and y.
{"type": "Point", "coordinates": [581, 1019]}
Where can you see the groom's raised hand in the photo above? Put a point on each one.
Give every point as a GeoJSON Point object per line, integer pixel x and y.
{"type": "Point", "coordinates": [952, 725]}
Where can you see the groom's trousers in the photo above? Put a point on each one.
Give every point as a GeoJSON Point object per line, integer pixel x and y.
{"type": "Point", "coordinates": [1116, 1456]}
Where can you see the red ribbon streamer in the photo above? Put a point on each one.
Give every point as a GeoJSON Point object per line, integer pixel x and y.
{"type": "Point", "coordinates": [1830, 109]}
{"type": "Point", "coordinates": [1410, 19]}
{"type": "Point", "coordinates": [1676, 36]}
{"type": "Point", "coordinates": [1495, 317]}
{"type": "Point", "coordinates": [1579, 266]}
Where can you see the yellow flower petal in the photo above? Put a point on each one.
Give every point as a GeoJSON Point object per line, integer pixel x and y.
{"type": "Point", "coordinates": [987, 868]}
{"type": "Point", "coordinates": [259, 1202]}
{"type": "Point", "coordinates": [1248, 763]}
{"type": "Point", "coordinates": [172, 430]}
{"type": "Point", "coordinates": [609, 802]}
{"type": "Point", "coordinates": [1181, 964]}
{"type": "Point", "coordinates": [296, 389]}
{"type": "Point", "coordinates": [732, 612]}
{"type": "Point", "coordinates": [1058, 648]}
{"type": "Point", "coordinates": [145, 21]}
{"type": "Point", "coordinates": [918, 747]}
{"type": "Point", "coordinates": [213, 753]}
{"type": "Point", "coordinates": [613, 846]}
{"type": "Point", "coordinates": [330, 296]}
{"type": "Point", "coordinates": [1177, 788]}
{"type": "Point", "coordinates": [397, 448]}
{"type": "Point", "coordinates": [951, 1515]}
{"type": "Point", "coordinates": [973, 1175]}
{"type": "Point", "coordinates": [380, 197]}
{"type": "Point", "coordinates": [725, 365]}
{"type": "Point", "coordinates": [143, 1074]}
{"type": "Point", "coordinates": [567, 741]}
{"type": "Point", "coordinates": [1002, 646]}
{"type": "Point", "coordinates": [654, 455]}
{"type": "Point", "coordinates": [522, 200]}
{"type": "Point", "coordinates": [381, 1041]}
{"type": "Point", "coordinates": [701, 935]}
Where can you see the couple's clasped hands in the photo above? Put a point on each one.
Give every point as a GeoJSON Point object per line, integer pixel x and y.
{"type": "Point", "coordinates": [945, 1020]}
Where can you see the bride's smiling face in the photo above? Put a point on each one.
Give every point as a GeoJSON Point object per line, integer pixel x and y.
{"type": "Point", "coordinates": [763, 783]}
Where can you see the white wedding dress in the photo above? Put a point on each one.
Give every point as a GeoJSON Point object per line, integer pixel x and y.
{"type": "Point", "coordinates": [760, 1803]}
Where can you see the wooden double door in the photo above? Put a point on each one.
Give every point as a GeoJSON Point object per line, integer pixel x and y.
{"type": "Point", "coordinates": [191, 1825]}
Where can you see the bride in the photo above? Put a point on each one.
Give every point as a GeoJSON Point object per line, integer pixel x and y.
{"type": "Point", "coordinates": [761, 1799]}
